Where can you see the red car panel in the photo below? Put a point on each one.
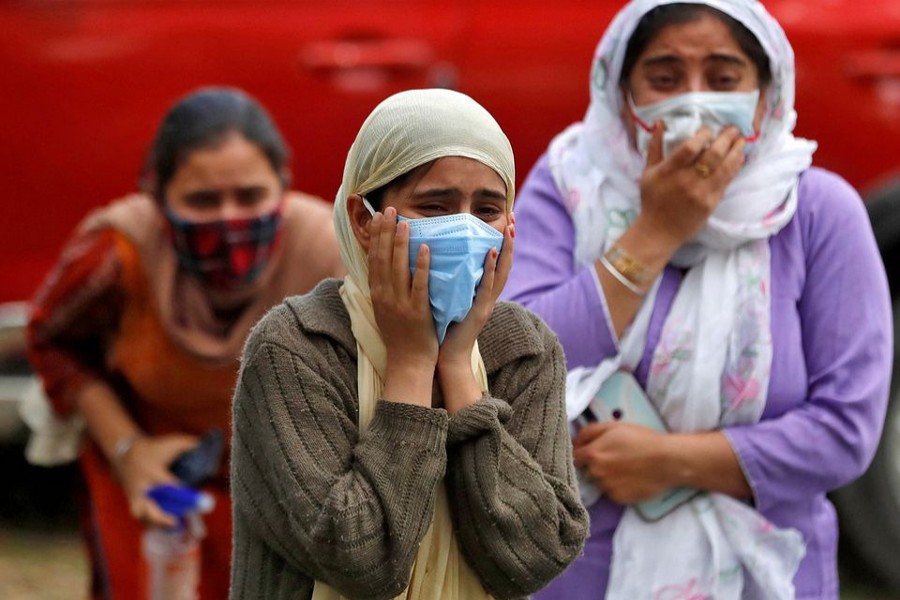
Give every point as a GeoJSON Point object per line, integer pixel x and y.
{"type": "Point", "coordinates": [86, 81]}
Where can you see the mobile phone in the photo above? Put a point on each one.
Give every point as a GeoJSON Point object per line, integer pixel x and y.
{"type": "Point", "coordinates": [201, 462]}
{"type": "Point", "coordinates": [621, 398]}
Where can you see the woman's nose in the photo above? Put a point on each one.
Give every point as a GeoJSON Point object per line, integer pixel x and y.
{"type": "Point", "coordinates": [697, 83]}
{"type": "Point", "coordinates": [231, 209]}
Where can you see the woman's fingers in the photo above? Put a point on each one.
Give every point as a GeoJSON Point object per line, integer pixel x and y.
{"type": "Point", "coordinates": [149, 512]}
{"type": "Point", "coordinates": [706, 165]}
{"type": "Point", "coordinates": [390, 280]}
{"type": "Point", "coordinates": [679, 194]}
{"type": "Point", "coordinates": [154, 515]}
{"type": "Point", "coordinates": [150, 471]}
{"type": "Point", "coordinates": [420, 279]}
{"type": "Point", "coordinates": [733, 161]}
{"type": "Point", "coordinates": [655, 147]}
{"type": "Point", "coordinates": [710, 162]}
{"type": "Point", "coordinates": [400, 298]}
{"type": "Point", "coordinates": [381, 252]}
{"type": "Point", "coordinates": [374, 244]}
{"type": "Point", "coordinates": [384, 262]}
{"type": "Point", "coordinates": [504, 264]}
{"type": "Point", "coordinates": [686, 154]}
{"type": "Point", "coordinates": [589, 433]}
{"type": "Point", "coordinates": [484, 295]}
{"type": "Point", "coordinates": [171, 446]}
{"type": "Point", "coordinates": [400, 262]}
{"type": "Point", "coordinates": [497, 265]}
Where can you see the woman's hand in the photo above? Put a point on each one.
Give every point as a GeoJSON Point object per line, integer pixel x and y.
{"type": "Point", "coordinates": [402, 310]}
{"type": "Point", "coordinates": [146, 465]}
{"type": "Point", "coordinates": [627, 462]}
{"type": "Point", "coordinates": [679, 193]}
{"type": "Point", "coordinates": [632, 463]}
{"type": "Point", "coordinates": [454, 365]}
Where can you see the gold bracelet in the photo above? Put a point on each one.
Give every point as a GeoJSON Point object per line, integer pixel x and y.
{"type": "Point", "coordinates": [621, 277]}
{"type": "Point", "coordinates": [630, 267]}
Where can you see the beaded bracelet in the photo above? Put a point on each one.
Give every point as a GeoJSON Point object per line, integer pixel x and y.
{"type": "Point", "coordinates": [622, 279]}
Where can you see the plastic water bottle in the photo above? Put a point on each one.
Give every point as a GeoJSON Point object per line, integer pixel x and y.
{"type": "Point", "coordinates": [172, 555]}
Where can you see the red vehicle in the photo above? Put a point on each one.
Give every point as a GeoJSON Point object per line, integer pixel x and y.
{"type": "Point", "coordinates": [85, 82]}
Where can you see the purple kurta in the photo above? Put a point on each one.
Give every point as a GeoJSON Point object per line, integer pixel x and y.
{"type": "Point", "coordinates": [831, 364]}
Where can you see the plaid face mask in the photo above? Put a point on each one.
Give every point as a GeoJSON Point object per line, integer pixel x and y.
{"type": "Point", "coordinates": [225, 254]}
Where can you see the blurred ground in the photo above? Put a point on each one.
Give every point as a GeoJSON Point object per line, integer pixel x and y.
{"type": "Point", "coordinates": [42, 565]}
{"type": "Point", "coordinates": [41, 556]}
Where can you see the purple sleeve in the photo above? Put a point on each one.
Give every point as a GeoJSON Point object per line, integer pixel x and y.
{"type": "Point", "coordinates": [829, 437]}
{"type": "Point", "coordinates": [545, 278]}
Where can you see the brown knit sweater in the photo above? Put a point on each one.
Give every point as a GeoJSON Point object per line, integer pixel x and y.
{"type": "Point", "coordinates": [314, 499]}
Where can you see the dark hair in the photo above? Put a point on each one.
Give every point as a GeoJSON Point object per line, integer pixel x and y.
{"type": "Point", "coordinates": [675, 14]}
{"type": "Point", "coordinates": [376, 196]}
{"type": "Point", "coordinates": [203, 119]}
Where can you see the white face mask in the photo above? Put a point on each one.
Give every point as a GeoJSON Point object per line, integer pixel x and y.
{"type": "Point", "coordinates": [685, 114]}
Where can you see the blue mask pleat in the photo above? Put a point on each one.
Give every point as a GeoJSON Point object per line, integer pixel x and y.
{"type": "Point", "coordinates": [458, 245]}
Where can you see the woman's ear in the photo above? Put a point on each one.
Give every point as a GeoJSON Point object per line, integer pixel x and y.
{"type": "Point", "coordinates": [360, 217]}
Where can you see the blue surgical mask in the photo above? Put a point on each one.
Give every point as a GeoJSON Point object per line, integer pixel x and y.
{"type": "Point", "coordinates": [685, 114]}
{"type": "Point", "coordinates": [458, 245]}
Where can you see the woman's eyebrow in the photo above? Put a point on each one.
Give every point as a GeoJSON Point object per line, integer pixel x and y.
{"type": "Point", "coordinates": [662, 60]}
{"type": "Point", "coordinates": [203, 194]}
{"type": "Point", "coordinates": [730, 59]}
{"type": "Point", "coordinates": [673, 59]}
{"type": "Point", "coordinates": [436, 193]}
{"type": "Point", "coordinates": [452, 192]}
{"type": "Point", "coordinates": [491, 193]}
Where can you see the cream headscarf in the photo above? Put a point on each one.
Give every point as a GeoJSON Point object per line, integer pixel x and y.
{"type": "Point", "coordinates": [405, 131]}
{"type": "Point", "coordinates": [711, 367]}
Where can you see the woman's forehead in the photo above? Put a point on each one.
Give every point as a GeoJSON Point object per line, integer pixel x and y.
{"type": "Point", "coordinates": [455, 171]}
{"type": "Point", "coordinates": [706, 33]}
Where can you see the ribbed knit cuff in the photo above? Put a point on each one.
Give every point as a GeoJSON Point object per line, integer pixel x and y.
{"type": "Point", "coordinates": [408, 425]}
{"type": "Point", "coordinates": [476, 419]}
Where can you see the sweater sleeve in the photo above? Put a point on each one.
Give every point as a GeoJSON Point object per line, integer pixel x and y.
{"type": "Point", "coordinates": [74, 317]}
{"type": "Point", "coordinates": [845, 324]}
{"type": "Point", "coordinates": [545, 278]}
{"type": "Point", "coordinates": [343, 508]}
{"type": "Point", "coordinates": [511, 482]}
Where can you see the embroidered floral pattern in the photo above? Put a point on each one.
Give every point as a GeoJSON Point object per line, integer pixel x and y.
{"type": "Point", "coordinates": [689, 590]}
{"type": "Point", "coordinates": [742, 393]}
{"type": "Point", "coordinates": [618, 220]}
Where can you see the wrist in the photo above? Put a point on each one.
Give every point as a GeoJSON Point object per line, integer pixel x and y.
{"type": "Point", "coordinates": [678, 470]}
{"type": "Point", "coordinates": [458, 385]}
{"type": "Point", "coordinates": [123, 447]}
{"type": "Point", "coordinates": [408, 381]}
{"type": "Point", "coordinates": [649, 242]}
{"type": "Point", "coordinates": [454, 362]}
{"type": "Point", "coordinates": [626, 270]}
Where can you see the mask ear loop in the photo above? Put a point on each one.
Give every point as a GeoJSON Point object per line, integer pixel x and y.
{"type": "Point", "coordinates": [630, 104]}
{"type": "Point", "coordinates": [368, 206]}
